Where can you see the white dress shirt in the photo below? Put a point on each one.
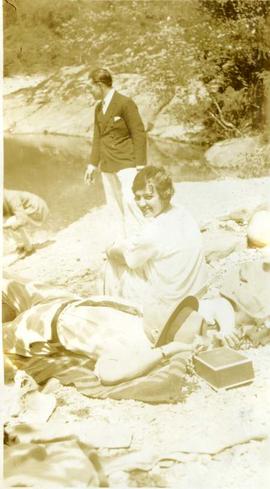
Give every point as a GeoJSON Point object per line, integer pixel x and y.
{"type": "Point", "coordinates": [107, 99]}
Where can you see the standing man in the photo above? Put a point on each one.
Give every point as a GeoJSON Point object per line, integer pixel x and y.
{"type": "Point", "coordinates": [119, 148]}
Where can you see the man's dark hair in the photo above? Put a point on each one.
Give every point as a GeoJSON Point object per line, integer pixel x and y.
{"type": "Point", "coordinates": [156, 176]}
{"type": "Point", "coordinates": [101, 75]}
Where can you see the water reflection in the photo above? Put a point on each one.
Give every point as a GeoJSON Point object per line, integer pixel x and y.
{"type": "Point", "coordinates": [185, 162]}
{"type": "Point", "coordinates": [53, 167]}
{"type": "Point", "coordinates": [54, 175]}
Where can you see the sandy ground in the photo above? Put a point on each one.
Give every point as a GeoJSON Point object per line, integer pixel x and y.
{"type": "Point", "coordinates": [76, 257]}
{"type": "Point", "coordinates": [171, 442]}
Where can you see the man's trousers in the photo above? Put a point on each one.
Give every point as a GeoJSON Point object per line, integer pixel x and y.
{"type": "Point", "coordinates": [120, 199]}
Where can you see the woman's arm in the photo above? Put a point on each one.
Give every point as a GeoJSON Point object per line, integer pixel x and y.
{"type": "Point", "coordinates": [116, 253]}
{"type": "Point", "coordinates": [123, 365]}
{"type": "Point", "coordinates": [136, 250]}
{"type": "Point", "coordinates": [18, 220]}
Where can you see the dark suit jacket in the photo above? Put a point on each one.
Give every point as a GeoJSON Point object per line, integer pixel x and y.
{"type": "Point", "coordinates": [119, 136]}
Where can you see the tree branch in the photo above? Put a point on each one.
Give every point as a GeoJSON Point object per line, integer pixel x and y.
{"type": "Point", "coordinates": [219, 122]}
{"type": "Point", "coordinates": [225, 124]}
{"type": "Point", "coordinates": [11, 4]}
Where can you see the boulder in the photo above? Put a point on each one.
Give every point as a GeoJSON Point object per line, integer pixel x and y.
{"type": "Point", "coordinates": [220, 243]}
{"type": "Point", "coordinates": [244, 152]}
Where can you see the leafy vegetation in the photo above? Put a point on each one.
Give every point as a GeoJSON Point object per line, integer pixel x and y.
{"type": "Point", "coordinates": [225, 44]}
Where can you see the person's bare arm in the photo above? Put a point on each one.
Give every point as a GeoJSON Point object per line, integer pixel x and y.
{"type": "Point", "coordinates": [19, 219]}
{"type": "Point", "coordinates": [16, 216]}
{"type": "Point", "coordinates": [125, 365]}
{"type": "Point", "coordinates": [116, 253]}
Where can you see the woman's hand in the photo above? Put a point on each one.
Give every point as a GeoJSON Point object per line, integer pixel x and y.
{"type": "Point", "coordinates": [15, 222]}
{"type": "Point", "coordinates": [90, 174]}
{"type": "Point", "coordinates": [115, 253]}
{"type": "Point", "coordinates": [232, 340]}
{"type": "Point", "coordinates": [200, 344]}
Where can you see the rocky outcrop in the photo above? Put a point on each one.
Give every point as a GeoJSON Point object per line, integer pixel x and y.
{"type": "Point", "coordinates": [62, 104]}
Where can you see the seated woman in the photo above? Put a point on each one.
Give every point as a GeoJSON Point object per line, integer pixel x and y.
{"type": "Point", "coordinates": [163, 262]}
{"type": "Point", "coordinates": [21, 210]}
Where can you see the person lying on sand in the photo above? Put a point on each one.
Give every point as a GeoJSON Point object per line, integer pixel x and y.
{"type": "Point", "coordinates": [21, 210]}
{"type": "Point", "coordinates": [45, 321]}
{"type": "Point", "coordinates": [40, 321]}
{"type": "Point", "coordinates": [163, 262]}
{"type": "Point", "coordinates": [247, 287]}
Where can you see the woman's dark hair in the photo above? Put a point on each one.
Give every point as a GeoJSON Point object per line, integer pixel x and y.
{"type": "Point", "coordinates": [158, 178]}
{"type": "Point", "coordinates": [101, 75]}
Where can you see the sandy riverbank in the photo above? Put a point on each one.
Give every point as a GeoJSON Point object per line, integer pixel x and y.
{"type": "Point", "coordinates": [171, 443]}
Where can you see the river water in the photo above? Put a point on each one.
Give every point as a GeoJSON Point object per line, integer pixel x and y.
{"type": "Point", "coordinates": [54, 168]}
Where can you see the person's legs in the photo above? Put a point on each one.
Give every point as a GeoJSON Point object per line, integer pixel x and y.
{"type": "Point", "coordinates": [119, 281]}
{"type": "Point", "coordinates": [133, 217]}
{"type": "Point", "coordinates": [120, 199]}
{"type": "Point", "coordinates": [113, 195]}
{"type": "Point", "coordinates": [112, 279]}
